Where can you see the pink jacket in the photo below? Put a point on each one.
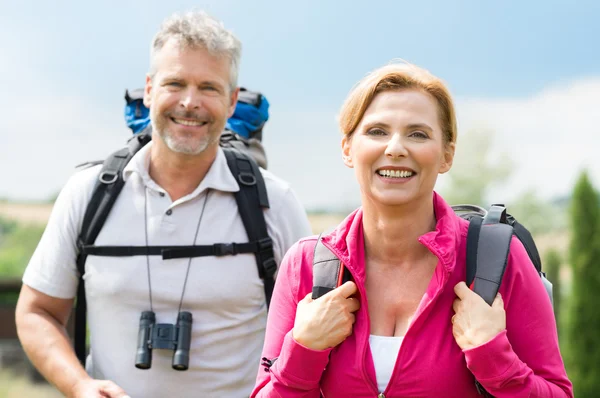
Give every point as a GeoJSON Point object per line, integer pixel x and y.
{"type": "Point", "coordinates": [523, 361]}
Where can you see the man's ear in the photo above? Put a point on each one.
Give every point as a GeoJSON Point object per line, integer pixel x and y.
{"type": "Point", "coordinates": [448, 157]}
{"type": "Point", "coordinates": [148, 91]}
{"type": "Point", "coordinates": [233, 101]}
{"type": "Point", "coordinates": [346, 150]}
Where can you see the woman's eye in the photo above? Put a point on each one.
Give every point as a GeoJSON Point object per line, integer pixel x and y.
{"type": "Point", "coordinates": [376, 132]}
{"type": "Point", "coordinates": [419, 134]}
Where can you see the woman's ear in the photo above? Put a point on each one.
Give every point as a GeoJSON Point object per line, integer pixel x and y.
{"type": "Point", "coordinates": [448, 157]}
{"type": "Point", "coordinates": [346, 150]}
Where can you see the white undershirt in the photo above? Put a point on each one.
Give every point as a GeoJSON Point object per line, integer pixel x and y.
{"type": "Point", "coordinates": [385, 351]}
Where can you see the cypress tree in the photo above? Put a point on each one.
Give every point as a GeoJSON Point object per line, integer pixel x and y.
{"type": "Point", "coordinates": [552, 264]}
{"type": "Point", "coordinates": [583, 317]}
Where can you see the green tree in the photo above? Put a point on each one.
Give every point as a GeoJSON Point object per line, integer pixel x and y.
{"type": "Point", "coordinates": [552, 262]}
{"type": "Point", "coordinates": [583, 323]}
{"type": "Point", "coordinates": [475, 170]}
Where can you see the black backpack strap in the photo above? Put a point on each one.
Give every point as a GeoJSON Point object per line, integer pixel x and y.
{"type": "Point", "coordinates": [252, 200]}
{"type": "Point", "coordinates": [525, 237]}
{"type": "Point", "coordinates": [171, 252]}
{"type": "Point", "coordinates": [107, 189]}
{"type": "Point", "coordinates": [528, 243]}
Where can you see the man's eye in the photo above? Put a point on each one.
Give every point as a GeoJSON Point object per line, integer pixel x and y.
{"type": "Point", "coordinates": [174, 84]}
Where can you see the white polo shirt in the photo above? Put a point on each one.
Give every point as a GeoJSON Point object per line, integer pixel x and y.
{"type": "Point", "coordinates": [224, 294]}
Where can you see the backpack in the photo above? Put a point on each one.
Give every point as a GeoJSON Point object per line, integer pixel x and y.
{"type": "Point", "coordinates": [243, 158]}
{"type": "Point", "coordinates": [488, 245]}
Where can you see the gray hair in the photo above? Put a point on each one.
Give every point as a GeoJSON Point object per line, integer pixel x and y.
{"type": "Point", "coordinates": [198, 29]}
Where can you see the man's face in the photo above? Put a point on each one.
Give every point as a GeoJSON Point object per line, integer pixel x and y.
{"type": "Point", "coordinates": [189, 97]}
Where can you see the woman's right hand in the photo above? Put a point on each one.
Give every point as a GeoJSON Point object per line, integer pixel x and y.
{"type": "Point", "coordinates": [327, 321]}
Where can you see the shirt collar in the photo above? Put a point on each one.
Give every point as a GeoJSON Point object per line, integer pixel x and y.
{"type": "Point", "coordinates": [218, 177]}
{"type": "Point", "coordinates": [347, 240]}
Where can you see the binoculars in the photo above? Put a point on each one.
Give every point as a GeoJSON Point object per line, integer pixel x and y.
{"type": "Point", "coordinates": [164, 336]}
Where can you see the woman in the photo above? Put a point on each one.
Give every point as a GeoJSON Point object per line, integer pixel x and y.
{"type": "Point", "coordinates": [407, 326]}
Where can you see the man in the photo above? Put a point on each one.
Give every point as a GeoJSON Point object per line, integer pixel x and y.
{"type": "Point", "coordinates": [178, 191]}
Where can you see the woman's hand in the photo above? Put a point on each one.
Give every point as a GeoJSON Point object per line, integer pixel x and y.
{"type": "Point", "coordinates": [327, 321]}
{"type": "Point", "coordinates": [475, 322]}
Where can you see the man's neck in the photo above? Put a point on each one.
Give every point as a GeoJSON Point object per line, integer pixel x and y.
{"type": "Point", "coordinates": [176, 173]}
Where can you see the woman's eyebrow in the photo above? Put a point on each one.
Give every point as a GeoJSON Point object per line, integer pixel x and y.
{"type": "Point", "coordinates": [424, 126]}
{"type": "Point", "coordinates": [370, 125]}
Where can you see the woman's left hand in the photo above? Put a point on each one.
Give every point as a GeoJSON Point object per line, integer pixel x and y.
{"type": "Point", "coordinates": [475, 322]}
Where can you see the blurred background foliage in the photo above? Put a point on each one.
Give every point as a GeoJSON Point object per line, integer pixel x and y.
{"type": "Point", "coordinates": [17, 243]}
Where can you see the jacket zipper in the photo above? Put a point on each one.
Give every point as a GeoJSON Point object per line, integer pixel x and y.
{"type": "Point", "coordinates": [366, 309]}
{"type": "Point", "coordinates": [431, 301]}
{"type": "Point", "coordinates": [393, 376]}
{"type": "Point", "coordinates": [365, 345]}
{"type": "Point", "coordinates": [366, 306]}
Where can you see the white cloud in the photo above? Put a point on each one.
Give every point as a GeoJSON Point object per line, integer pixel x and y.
{"type": "Point", "coordinates": [550, 136]}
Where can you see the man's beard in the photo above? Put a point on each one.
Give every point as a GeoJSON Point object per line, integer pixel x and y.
{"type": "Point", "coordinates": [187, 144]}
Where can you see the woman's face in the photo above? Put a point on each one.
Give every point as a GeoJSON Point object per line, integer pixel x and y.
{"type": "Point", "coordinates": [397, 149]}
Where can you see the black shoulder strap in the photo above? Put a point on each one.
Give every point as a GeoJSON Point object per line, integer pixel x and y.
{"type": "Point", "coordinates": [252, 200]}
{"type": "Point", "coordinates": [525, 237]}
{"type": "Point", "coordinates": [487, 252]}
{"type": "Point", "coordinates": [107, 189]}
{"type": "Point", "coordinates": [529, 244]}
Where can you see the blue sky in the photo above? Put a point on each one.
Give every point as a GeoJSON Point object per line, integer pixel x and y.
{"type": "Point", "coordinates": [66, 65]}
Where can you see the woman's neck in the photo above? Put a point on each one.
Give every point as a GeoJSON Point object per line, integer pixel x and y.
{"type": "Point", "coordinates": [392, 232]}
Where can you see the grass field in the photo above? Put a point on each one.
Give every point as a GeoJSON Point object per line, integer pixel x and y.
{"type": "Point", "coordinates": [13, 385]}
